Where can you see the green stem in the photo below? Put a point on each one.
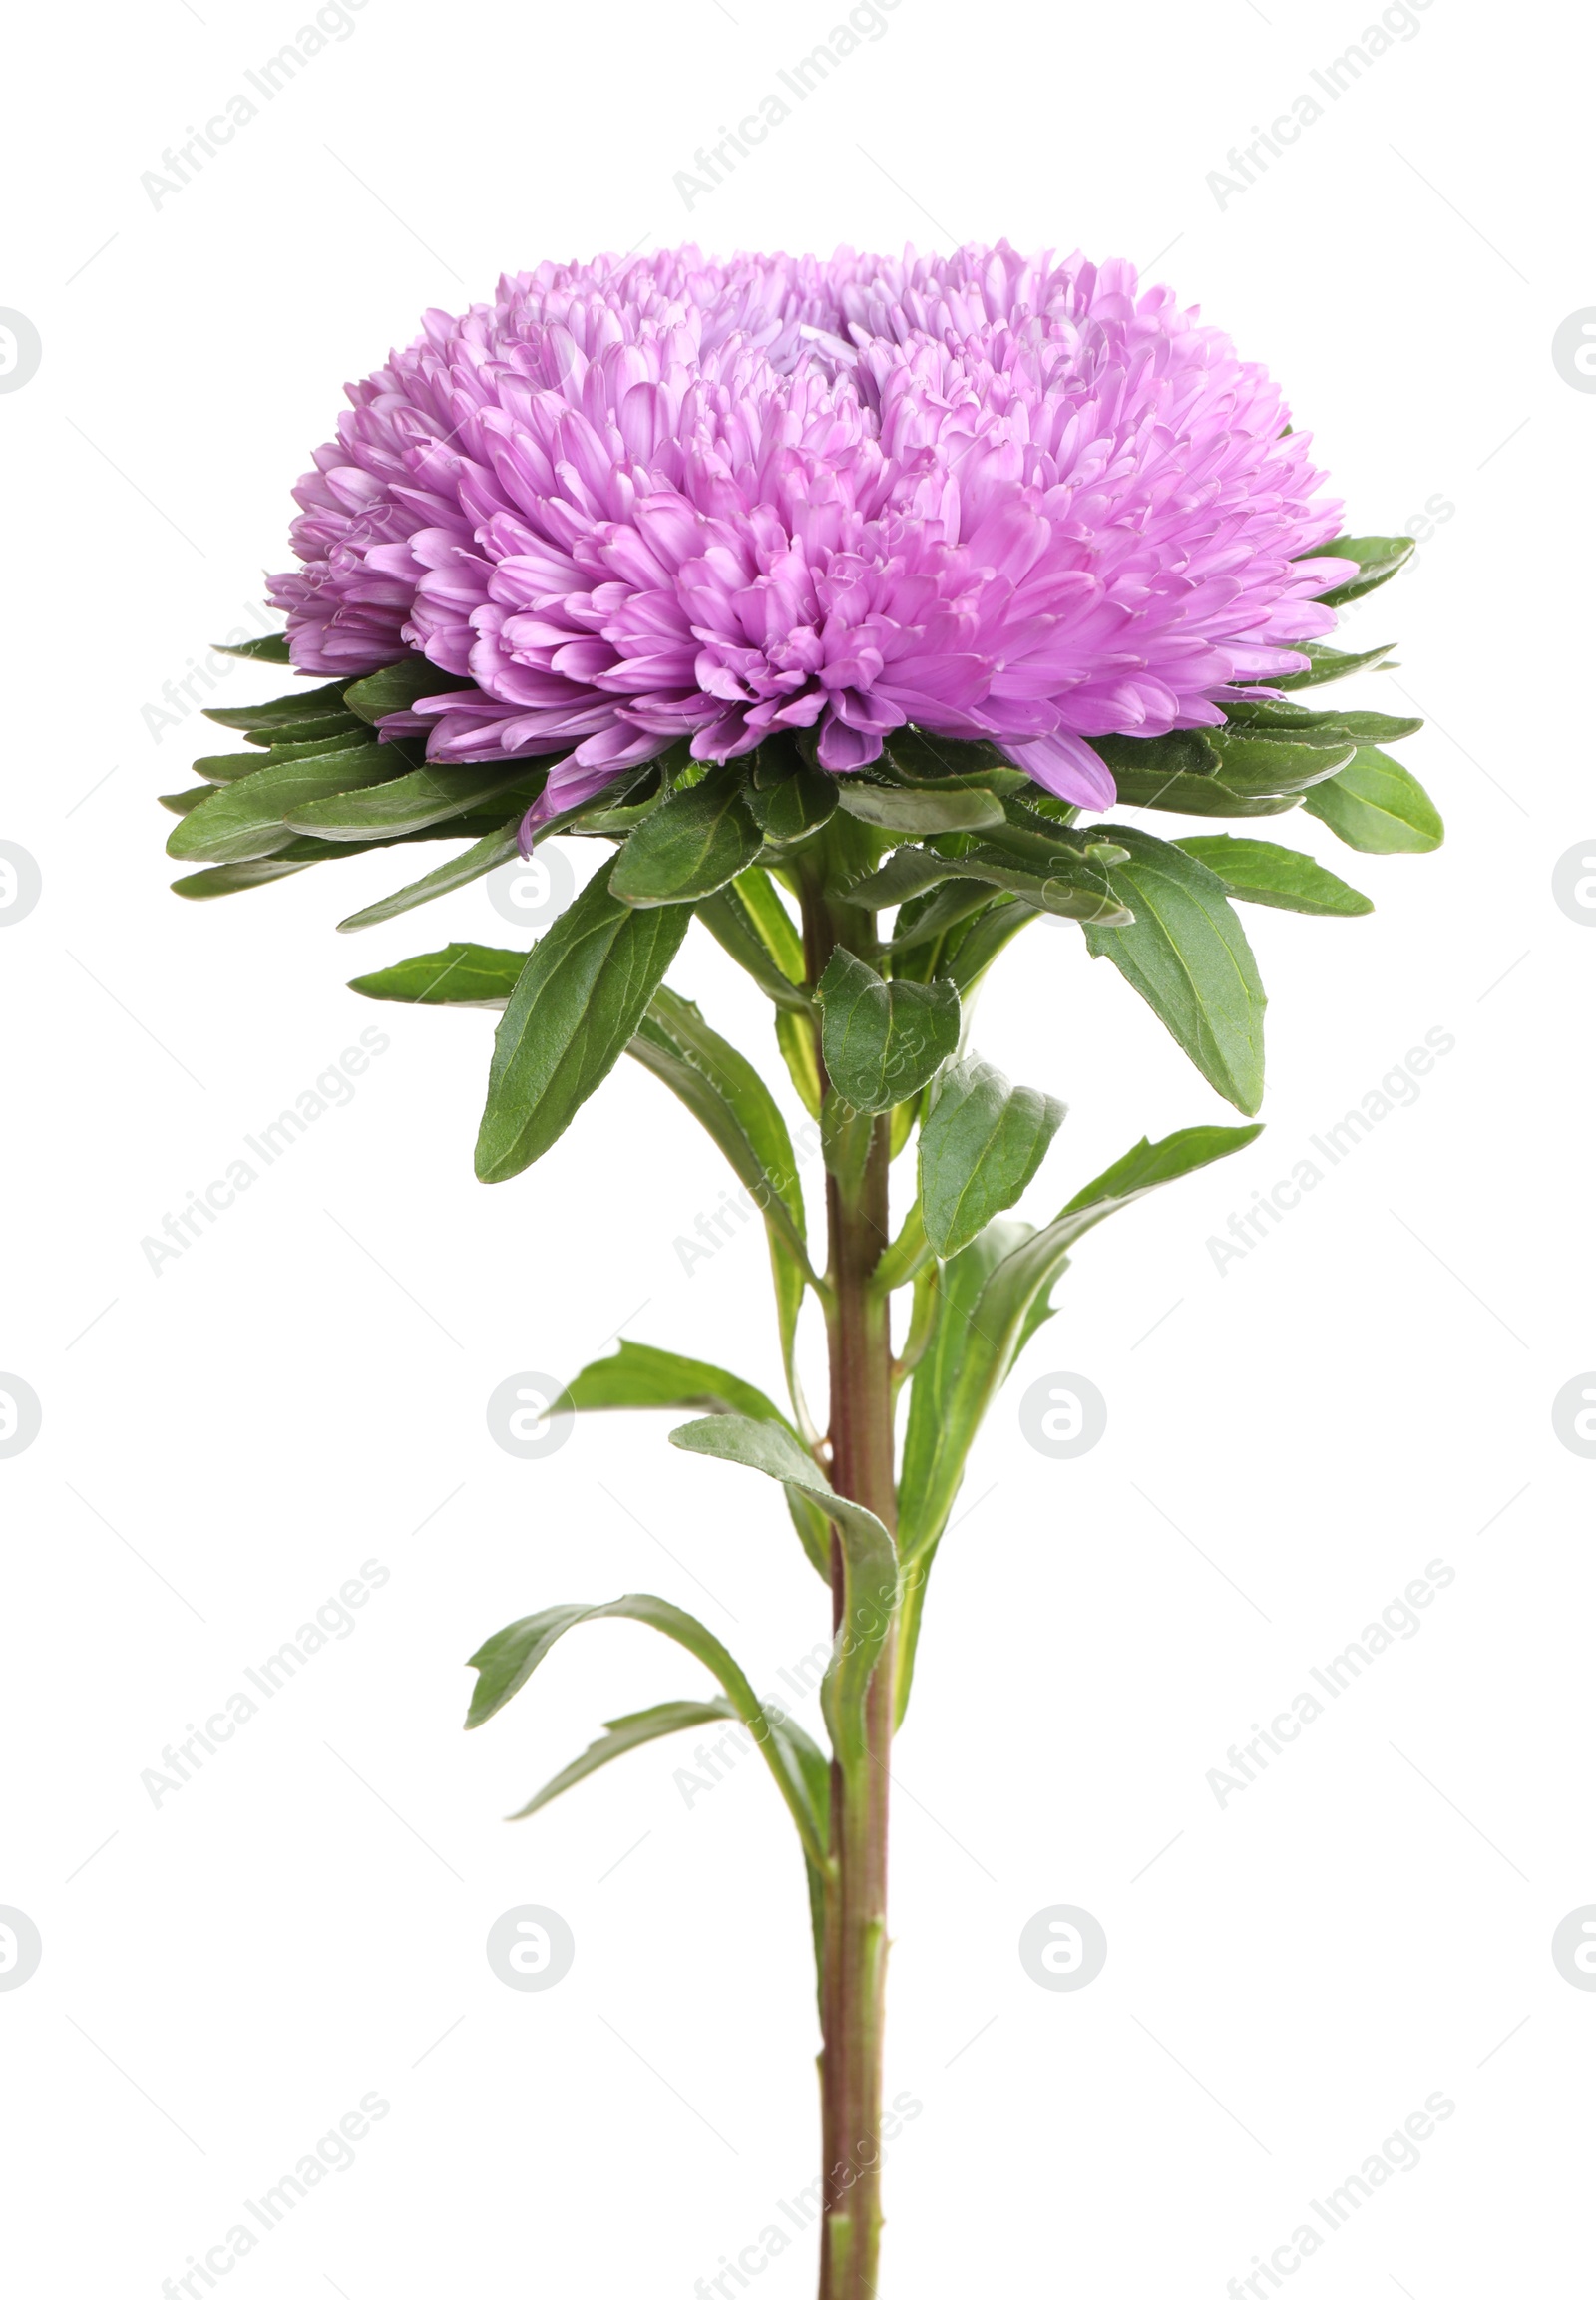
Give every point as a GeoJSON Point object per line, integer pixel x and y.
{"type": "Point", "coordinates": [855, 1927]}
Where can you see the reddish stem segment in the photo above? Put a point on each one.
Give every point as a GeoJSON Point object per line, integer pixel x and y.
{"type": "Point", "coordinates": [853, 1987]}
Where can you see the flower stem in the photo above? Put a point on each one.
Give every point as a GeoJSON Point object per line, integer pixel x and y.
{"type": "Point", "coordinates": [855, 1931]}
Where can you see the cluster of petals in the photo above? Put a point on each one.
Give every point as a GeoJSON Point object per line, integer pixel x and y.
{"type": "Point", "coordinates": [654, 501]}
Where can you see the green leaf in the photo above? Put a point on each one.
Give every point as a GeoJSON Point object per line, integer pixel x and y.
{"type": "Point", "coordinates": [1253, 870]}
{"type": "Point", "coordinates": [1069, 889]}
{"type": "Point", "coordinates": [931, 1469]}
{"type": "Point", "coordinates": [1148, 1165]}
{"type": "Point", "coordinates": [728, 919]}
{"type": "Point", "coordinates": [908, 871]}
{"type": "Point", "coordinates": [496, 847]}
{"type": "Point", "coordinates": [1271, 765]}
{"type": "Point", "coordinates": [1378, 558]}
{"type": "Point", "coordinates": [926, 762]}
{"type": "Point", "coordinates": [688, 847]}
{"type": "Point", "coordinates": [462, 974]}
{"type": "Point", "coordinates": [231, 767]}
{"type": "Point", "coordinates": [182, 802]}
{"type": "Point", "coordinates": [274, 648]}
{"type": "Point", "coordinates": [241, 822]}
{"type": "Point", "coordinates": [788, 800]}
{"type": "Point", "coordinates": [970, 950]}
{"type": "Point", "coordinates": [917, 811]}
{"type": "Point", "coordinates": [1377, 806]}
{"type": "Point", "coordinates": [309, 703]}
{"type": "Point", "coordinates": [980, 1147]}
{"type": "Point", "coordinates": [235, 878]}
{"type": "Point", "coordinates": [399, 689]}
{"type": "Point", "coordinates": [321, 733]}
{"type": "Point", "coordinates": [639, 1375]}
{"type": "Point", "coordinates": [869, 1566]}
{"type": "Point", "coordinates": [992, 1293]}
{"type": "Point", "coordinates": [1208, 795]}
{"type": "Point", "coordinates": [1292, 721]}
{"type": "Point", "coordinates": [409, 803]}
{"type": "Point", "coordinates": [1189, 958]}
{"type": "Point", "coordinates": [1214, 771]}
{"type": "Point", "coordinates": [508, 1660]}
{"type": "Point", "coordinates": [795, 1035]}
{"type": "Point", "coordinates": [731, 1101]}
{"type": "Point", "coordinates": [1324, 663]}
{"type": "Point", "coordinates": [773, 922]}
{"type": "Point", "coordinates": [573, 1011]}
{"type": "Point", "coordinates": [926, 920]}
{"type": "Point", "coordinates": [750, 921]}
{"type": "Point", "coordinates": [623, 1734]}
{"type": "Point", "coordinates": [883, 1041]}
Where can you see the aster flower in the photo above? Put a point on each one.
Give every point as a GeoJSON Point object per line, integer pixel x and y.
{"type": "Point", "coordinates": [639, 503]}
{"type": "Point", "coordinates": [915, 559]}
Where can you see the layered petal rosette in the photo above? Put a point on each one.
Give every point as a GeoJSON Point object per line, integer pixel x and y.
{"type": "Point", "coordinates": [637, 503]}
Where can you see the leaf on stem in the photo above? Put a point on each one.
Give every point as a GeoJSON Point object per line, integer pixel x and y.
{"type": "Point", "coordinates": [787, 798]}
{"type": "Point", "coordinates": [1378, 558]}
{"type": "Point", "coordinates": [995, 1295]}
{"type": "Point", "coordinates": [508, 1658]}
{"type": "Point", "coordinates": [869, 1566]}
{"type": "Point", "coordinates": [244, 821]}
{"type": "Point", "coordinates": [460, 974]}
{"type": "Point", "coordinates": [274, 648]}
{"type": "Point", "coordinates": [575, 1006]}
{"type": "Point", "coordinates": [1377, 806]}
{"type": "Point", "coordinates": [409, 803]}
{"type": "Point", "coordinates": [1253, 870]}
{"type": "Point", "coordinates": [883, 1041]}
{"type": "Point", "coordinates": [501, 845]}
{"type": "Point", "coordinates": [399, 687]}
{"type": "Point", "coordinates": [1326, 663]}
{"type": "Point", "coordinates": [920, 811]}
{"type": "Point", "coordinates": [731, 1101]}
{"type": "Point", "coordinates": [621, 1734]}
{"type": "Point", "coordinates": [980, 1147]}
{"type": "Point", "coordinates": [639, 1375]}
{"type": "Point", "coordinates": [689, 845]}
{"type": "Point", "coordinates": [1189, 958]}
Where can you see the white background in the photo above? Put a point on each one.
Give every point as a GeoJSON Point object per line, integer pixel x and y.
{"type": "Point", "coordinates": [225, 1442]}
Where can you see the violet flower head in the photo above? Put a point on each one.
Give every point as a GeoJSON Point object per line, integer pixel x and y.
{"type": "Point", "coordinates": [637, 503]}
